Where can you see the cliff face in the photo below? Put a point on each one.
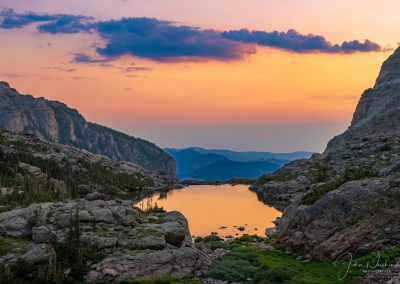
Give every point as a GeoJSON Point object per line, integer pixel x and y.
{"type": "Point", "coordinates": [57, 122]}
{"type": "Point", "coordinates": [348, 198]}
{"type": "Point", "coordinates": [378, 110]}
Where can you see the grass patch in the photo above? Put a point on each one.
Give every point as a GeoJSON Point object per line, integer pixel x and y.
{"type": "Point", "coordinates": [350, 174]}
{"type": "Point", "coordinates": [238, 265]}
{"type": "Point", "coordinates": [162, 280]}
{"type": "Point", "coordinates": [373, 261]}
{"type": "Point", "coordinates": [312, 197]}
{"type": "Point", "coordinates": [244, 264]}
{"type": "Point", "coordinates": [322, 272]}
{"type": "Point", "coordinates": [246, 238]}
{"type": "Point", "coordinates": [214, 242]}
{"type": "Point", "coordinates": [281, 175]}
{"type": "Point", "coordinates": [156, 220]}
{"type": "Point", "coordinates": [8, 244]}
{"type": "Point", "coordinates": [212, 238]}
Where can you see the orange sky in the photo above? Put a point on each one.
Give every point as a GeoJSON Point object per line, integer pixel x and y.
{"type": "Point", "coordinates": [271, 87]}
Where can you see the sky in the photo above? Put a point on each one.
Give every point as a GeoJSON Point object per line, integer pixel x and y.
{"type": "Point", "coordinates": [246, 75]}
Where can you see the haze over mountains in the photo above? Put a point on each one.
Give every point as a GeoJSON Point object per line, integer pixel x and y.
{"type": "Point", "coordinates": [222, 165]}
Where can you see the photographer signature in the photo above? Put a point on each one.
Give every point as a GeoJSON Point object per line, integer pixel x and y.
{"type": "Point", "coordinates": [349, 262]}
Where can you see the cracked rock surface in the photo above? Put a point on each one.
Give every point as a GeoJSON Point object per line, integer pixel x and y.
{"type": "Point", "coordinates": [135, 245]}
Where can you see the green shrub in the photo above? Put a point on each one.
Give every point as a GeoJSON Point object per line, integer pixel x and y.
{"type": "Point", "coordinates": [349, 174]}
{"type": "Point", "coordinates": [162, 280]}
{"type": "Point", "coordinates": [7, 244]}
{"type": "Point", "coordinates": [281, 175]}
{"type": "Point", "coordinates": [238, 265]}
{"type": "Point", "coordinates": [212, 238]}
{"type": "Point", "coordinates": [214, 242]}
{"type": "Point", "coordinates": [198, 239]}
{"type": "Point", "coordinates": [312, 197]}
{"type": "Point", "coordinates": [265, 275]}
{"type": "Point", "coordinates": [23, 273]}
{"type": "Point", "coordinates": [246, 238]}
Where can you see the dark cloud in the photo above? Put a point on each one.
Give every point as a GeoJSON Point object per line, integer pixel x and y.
{"type": "Point", "coordinates": [164, 41]}
{"type": "Point", "coordinates": [135, 76]}
{"type": "Point", "coordinates": [66, 24]}
{"type": "Point", "coordinates": [58, 68]}
{"type": "Point", "coordinates": [11, 20]}
{"type": "Point", "coordinates": [84, 58]}
{"type": "Point", "coordinates": [355, 45]}
{"type": "Point", "coordinates": [296, 42]}
{"type": "Point", "coordinates": [78, 77]}
{"type": "Point", "coordinates": [57, 23]}
{"type": "Point", "coordinates": [13, 75]}
{"type": "Point", "coordinates": [137, 69]}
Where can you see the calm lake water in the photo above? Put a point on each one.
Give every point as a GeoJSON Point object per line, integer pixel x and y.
{"type": "Point", "coordinates": [218, 208]}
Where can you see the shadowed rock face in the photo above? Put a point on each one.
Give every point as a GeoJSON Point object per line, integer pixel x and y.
{"type": "Point", "coordinates": [56, 122]}
{"type": "Point", "coordinates": [347, 199]}
{"type": "Point", "coordinates": [378, 110]}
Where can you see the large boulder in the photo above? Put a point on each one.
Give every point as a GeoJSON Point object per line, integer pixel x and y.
{"type": "Point", "coordinates": [42, 234]}
{"type": "Point", "coordinates": [134, 245]}
{"type": "Point", "coordinates": [358, 217]}
{"type": "Point", "coordinates": [181, 262]}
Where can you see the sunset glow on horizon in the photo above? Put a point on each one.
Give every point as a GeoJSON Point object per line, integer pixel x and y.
{"type": "Point", "coordinates": [254, 86]}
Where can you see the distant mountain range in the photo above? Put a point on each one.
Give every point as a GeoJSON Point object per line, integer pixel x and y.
{"type": "Point", "coordinates": [222, 165]}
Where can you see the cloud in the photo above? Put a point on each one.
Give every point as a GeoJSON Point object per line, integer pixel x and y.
{"type": "Point", "coordinates": [53, 24]}
{"type": "Point", "coordinates": [296, 42]}
{"type": "Point", "coordinates": [159, 40]}
{"type": "Point", "coordinates": [165, 41]}
{"type": "Point", "coordinates": [58, 68]}
{"type": "Point", "coordinates": [355, 45]}
{"type": "Point", "coordinates": [135, 76]}
{"type": "Point", "coordinates": [78, 77]}
{"type": "Point", "coordinates": [67, 24]}
{"type": "Point", "coordinates": [11, 20]}
{"type": "Point", "coordinates": [13, 75]}
{"type": "Point", "coordinates": [84, 58]}
{"type": "Point", "coordinates": [137, 69]}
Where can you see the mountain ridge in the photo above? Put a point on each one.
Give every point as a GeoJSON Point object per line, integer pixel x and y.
{"type": "Point", "coordinates": [222, 165]}
{"type": "Point", "coordinates": [234, 155]}
{"type": "Point", "coordinates": [55, 121]}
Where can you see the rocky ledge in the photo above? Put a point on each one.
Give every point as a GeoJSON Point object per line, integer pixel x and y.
{"type": "Point", "coordinates": [128, 243]}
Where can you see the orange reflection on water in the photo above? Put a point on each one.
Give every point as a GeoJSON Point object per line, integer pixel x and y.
{"type": "Point", "coordinates": [209, 208]}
